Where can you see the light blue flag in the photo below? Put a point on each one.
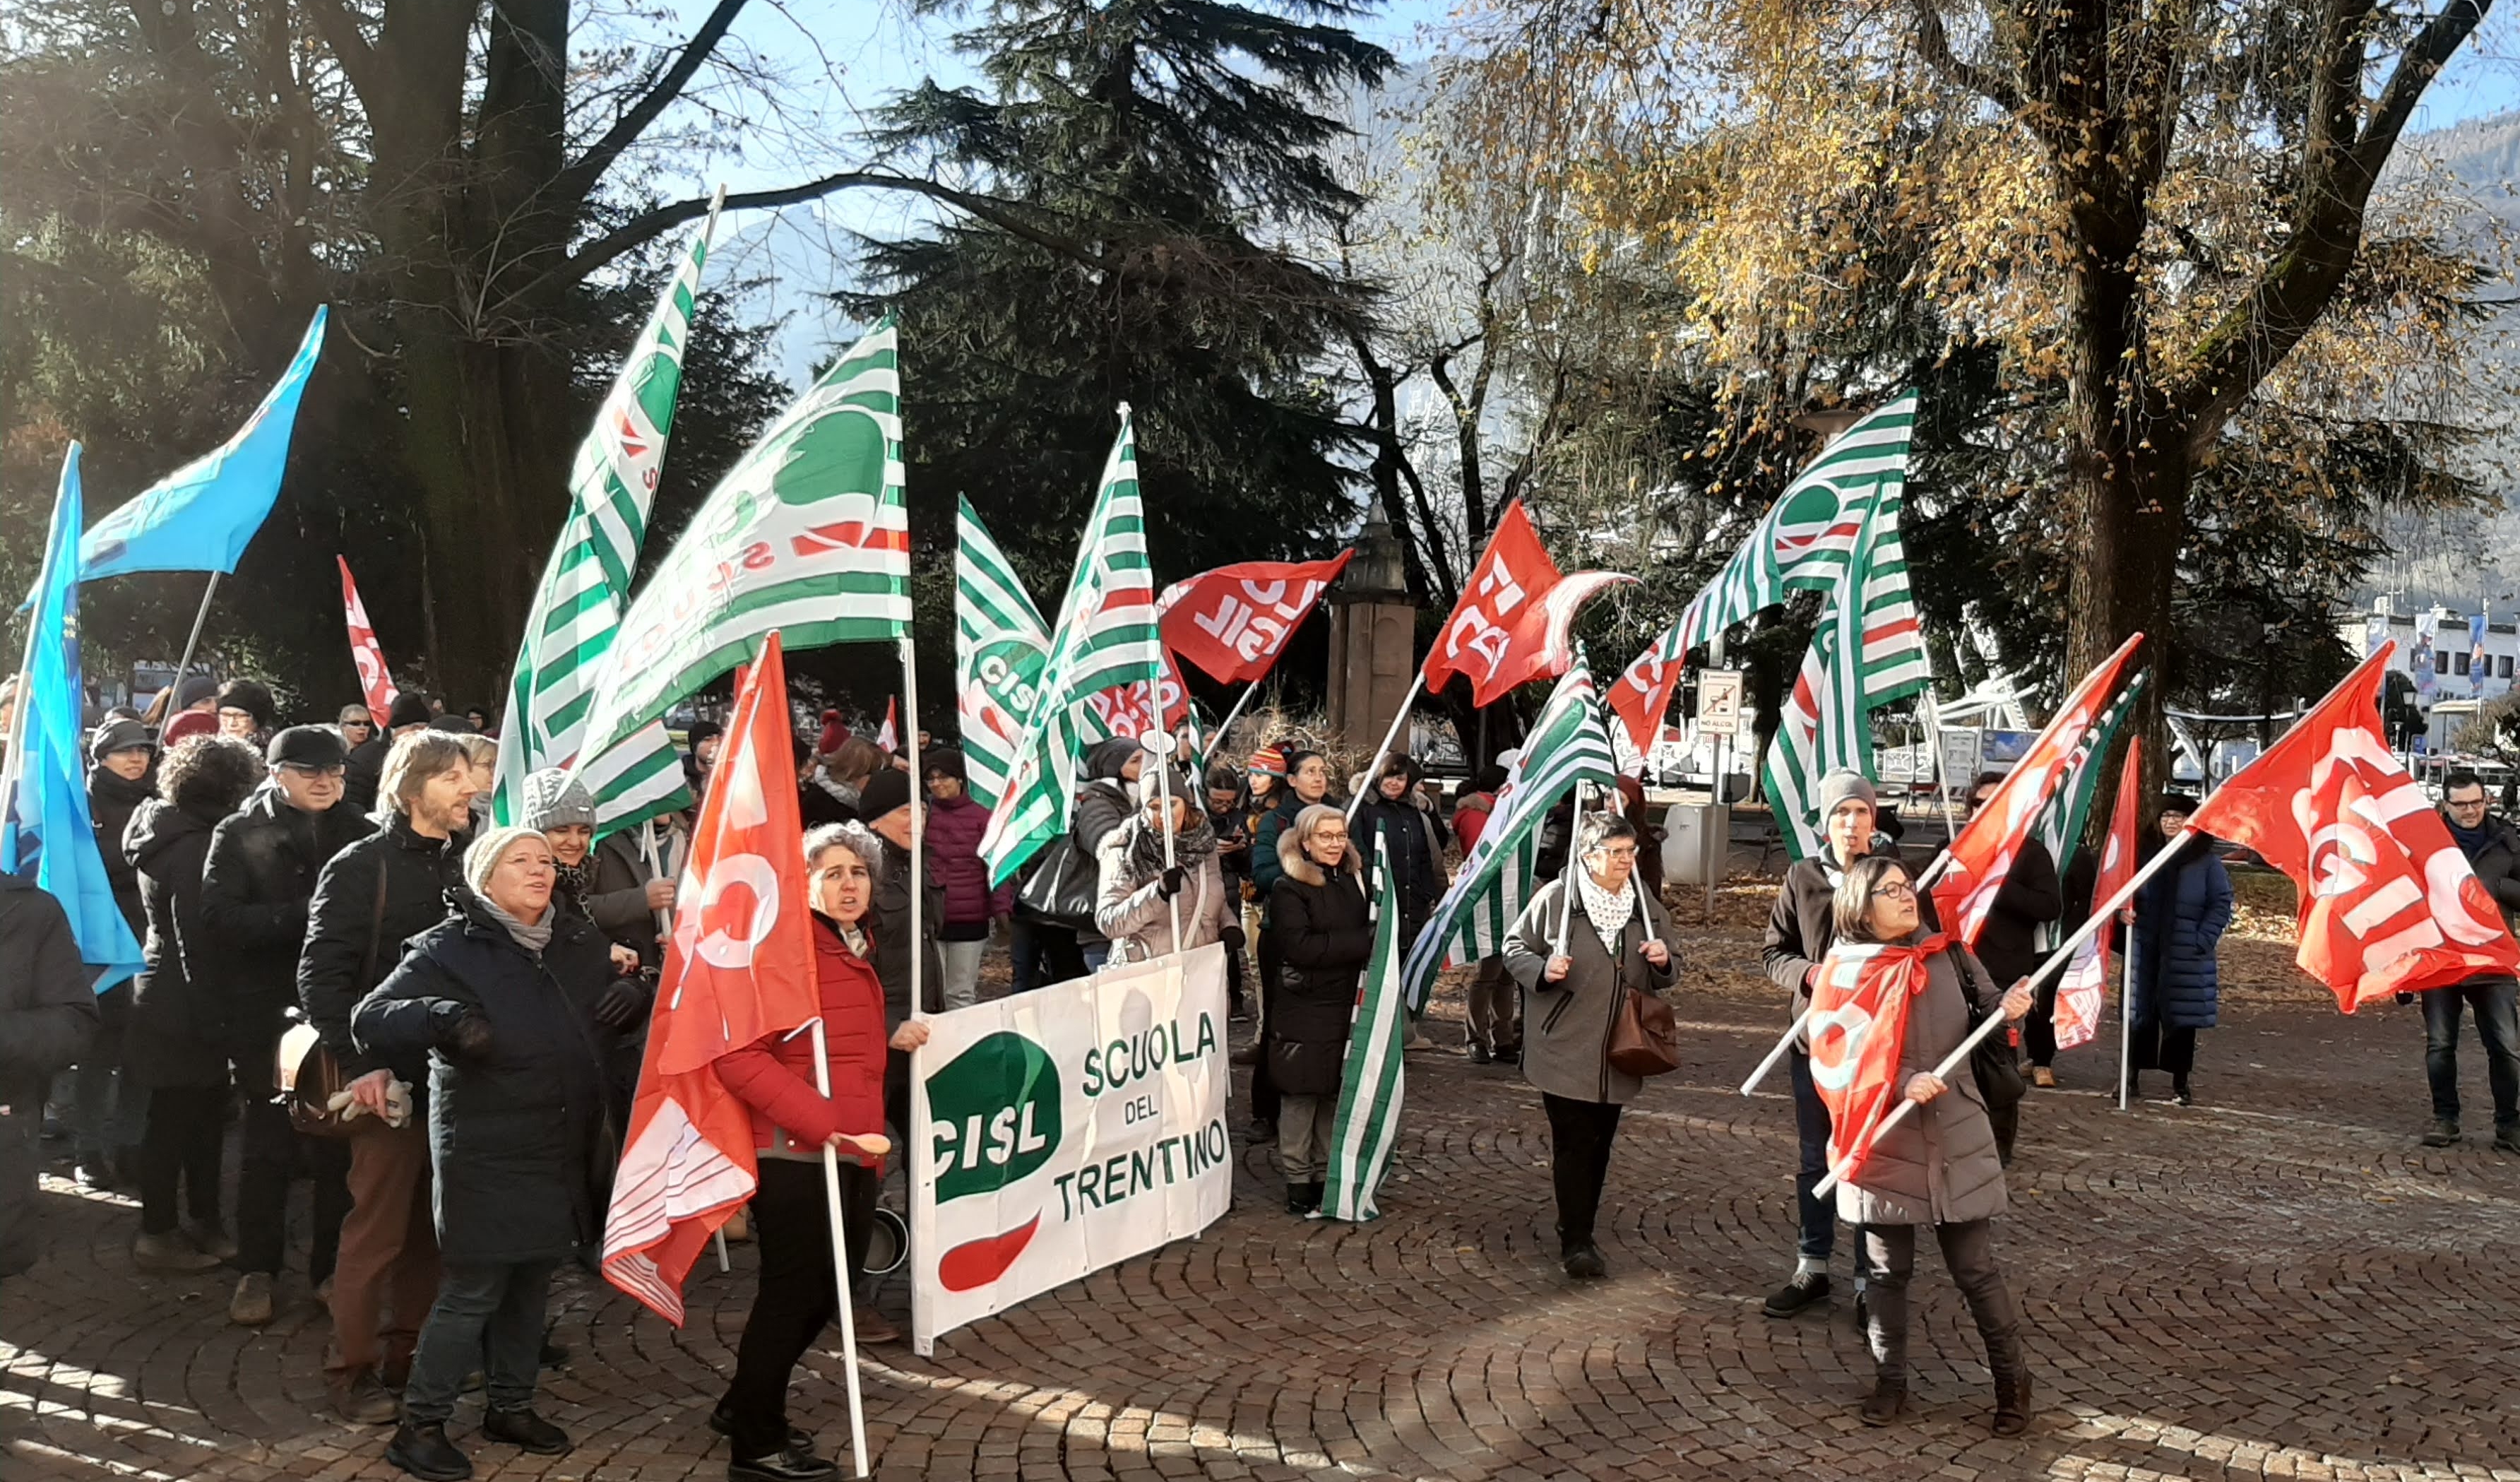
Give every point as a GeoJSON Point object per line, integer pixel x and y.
{"type": "Point", "coordinates": [198, 517]}
{"type": "Point", "coordinates": [46, 831]}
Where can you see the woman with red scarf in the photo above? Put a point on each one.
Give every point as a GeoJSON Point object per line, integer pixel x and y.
{"type": "Point", "coordinates": [792, 1123]}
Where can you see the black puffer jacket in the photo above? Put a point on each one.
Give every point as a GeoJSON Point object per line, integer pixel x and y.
{"type": "Point", "coordinates": [48, 1018]}
{"type": "Point", "coordinates": [517, 1136]}
{"type": "Point", "coordinates": [2497, 867]}
{"type": "Point", "coordinates": [352, 923]}
{"type": "Point", "coordinates": [178, 1034]}
{"type": "Point", "coordinates": [1415, 838]}
{"type": "Point", "coordinates": [2032, 897]}
{"type": "Point", "coordinates": [1326, 936]}
{"type": "Point", "coordinates": [366, 771]}
{"type": "Point", "coordinates": [110, 802]}
{"type": "Point", "coordinates": [264, 865]}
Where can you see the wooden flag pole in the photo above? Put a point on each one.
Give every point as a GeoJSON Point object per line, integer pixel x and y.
{"type": "Point", "coordinates": [1994, 1021]}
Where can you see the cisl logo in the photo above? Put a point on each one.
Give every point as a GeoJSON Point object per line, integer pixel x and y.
{"type": "Point", "coordinates": [994, 1120]}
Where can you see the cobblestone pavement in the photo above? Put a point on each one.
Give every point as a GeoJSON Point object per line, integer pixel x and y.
{"type": "Point", "coordinates": [2274, 1283]}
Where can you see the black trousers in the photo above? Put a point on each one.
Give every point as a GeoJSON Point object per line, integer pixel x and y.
{"type": "Point", "coordinates": [791, 1228]}
{"type": "Point", "coordinates": [2038, 1026]}
{"type": "Point", "coordinates": [269, 1158]}
{"type": "Point", "coordinates": [1580, 1134]}
{"type": "Point", "coordinates": [181, 1148]}
{"type": "Point", "coordinates": [2157, 1047]}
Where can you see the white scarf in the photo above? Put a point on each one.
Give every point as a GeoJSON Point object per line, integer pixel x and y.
{"type": "Point", "coordinates": [1608, 913]}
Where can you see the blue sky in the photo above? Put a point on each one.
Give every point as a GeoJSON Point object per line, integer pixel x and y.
{"type": "Point", "coordinates": [841, 57]}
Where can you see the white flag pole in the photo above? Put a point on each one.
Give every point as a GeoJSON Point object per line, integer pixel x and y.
{"type": "Point", "coordinates": [1933, 873]}
{"type": "Point", "coordinates": [1417, 684]}
{"type": "Point", "coordinates": [841, 1262]}
{"type": "Point", "coordinates": [918, 824]}
{"type": "Point", "coordinates": [1157, 746]}
{"type": "Point", "coordinates": [2126, 1020]}
{"type": "Point", "coordinates": [1216, 737]}
{"type": "Point", "coordinates": [1567, 877]}
{"type": "Point", "coordinates": [1994, 1021]}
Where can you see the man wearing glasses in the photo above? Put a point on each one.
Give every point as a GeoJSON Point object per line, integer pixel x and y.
{"type": "Point", "coordinates": [2492, 849]}
{"type": "Point", "coordinates": [260, 873]}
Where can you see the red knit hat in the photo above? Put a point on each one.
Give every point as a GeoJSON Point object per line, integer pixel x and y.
{"type": "Point", "coordinates": [1269, 761]}
{"type": "Point", "coordinates": [190, 724]}
{"type": "Point", "coordinates": [833, 733]}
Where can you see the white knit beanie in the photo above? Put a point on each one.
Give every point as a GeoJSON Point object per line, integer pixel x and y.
{"type": "Point", "coordinates": [487, 851]}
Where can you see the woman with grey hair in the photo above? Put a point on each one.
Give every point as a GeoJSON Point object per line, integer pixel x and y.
{"type": "Point", "coordinates": [1581, 946]}
{"type": "Point", "coordinates": [1326, 927]}
{"type": "Point", "coordinates": [1937, 1167]}
{"type": "Point", "coordinates": [793, 1119]}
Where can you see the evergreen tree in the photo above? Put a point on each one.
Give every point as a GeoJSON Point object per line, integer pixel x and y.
{"type": "Point", "coordinates": [1158, 161]}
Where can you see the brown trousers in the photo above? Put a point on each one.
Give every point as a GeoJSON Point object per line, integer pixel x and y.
{"type": "Point", "coordinates": [1495, 1006]}
{"type": "Point", "coordinates": [386, 1274]}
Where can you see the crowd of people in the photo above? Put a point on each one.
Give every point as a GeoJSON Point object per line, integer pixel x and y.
{"type": "Point", "coordinates": [437, 1020]}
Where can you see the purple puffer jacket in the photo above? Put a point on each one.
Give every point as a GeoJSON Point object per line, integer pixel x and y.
{"type": "Point", "coordinates": [954, 859]}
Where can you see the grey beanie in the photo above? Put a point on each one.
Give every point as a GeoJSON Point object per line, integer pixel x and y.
{"type": "Point", "coordinates": [483, 855]}
{"type": "Point", "coordinates": [553, 799]}
{"type": "Point", "coordinates": [1843, 784]}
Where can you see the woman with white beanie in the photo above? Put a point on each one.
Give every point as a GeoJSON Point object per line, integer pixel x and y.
{"type": "Point", "coordinates": [514, 1000]}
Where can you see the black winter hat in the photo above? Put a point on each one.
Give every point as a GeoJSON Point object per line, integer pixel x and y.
{"type": "Point", "coordinates": [887, 791]}
{"type": "Point", "coordinates": [317, 747]}
{"type": "Point", "coordinates": [251, 697]}
{"type": "Point", "coordinates": [119, 735]}
{"type": "Point", "coordinates": [194, 690]}
{"type": "Point", "coordinates": [410, 708]}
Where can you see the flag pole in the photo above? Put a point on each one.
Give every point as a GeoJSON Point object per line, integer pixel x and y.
{"type": "Point", "coordinates": [665, 930]}
{"type": "Point", "coordinates": [841, 1262]}
{"type": "Point", "coordinates": [918, 822]}
{"type": "Point", "coordinates": [1567, 877]}
{"type": "Point", "coordinates": [1933, 873]}
{"type": "Point", "coordinates": [1417, 686]}
{"type": "Point", "coordinates": [1994, 1021]}
{"type": "Point", "coordinates": [1158, 743]}
{"type": "Point", "coordinates": [2126, 1019]}
{"type": "Point", "coordinates": [190, 643]}
{"type": "Point", "coordinates": [1216, 737]}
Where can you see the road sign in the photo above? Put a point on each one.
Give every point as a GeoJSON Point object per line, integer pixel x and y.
{"type": "Point", "coordinates": [1719, 702]}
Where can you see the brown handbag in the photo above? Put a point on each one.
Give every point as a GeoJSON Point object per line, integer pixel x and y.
{"type": "Point", "coordinates": [1644, 1041]}
{"type": "Point", "coordinates": [308, 1074]}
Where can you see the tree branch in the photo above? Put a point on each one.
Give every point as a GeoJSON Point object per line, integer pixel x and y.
{"type": "Point", "coordinates": [577, 181]}
{"type": "Point", "coordinates": [1935, 43]}
{"type": "Point", "coordinates": [2422, 61]}
{"type": "Point", "coordinates": [646, 227]}
{"type": "Point", "coordinates": [351, 51]}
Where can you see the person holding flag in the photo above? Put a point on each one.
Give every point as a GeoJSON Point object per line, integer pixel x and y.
{"type": "Point", "coordinates": [1580, 947]}
{"type": "Point", "coordinates": [1889, 1002]}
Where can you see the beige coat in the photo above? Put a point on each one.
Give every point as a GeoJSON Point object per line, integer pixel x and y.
{"type": "Point", "coordinates": [1566, 1024]}
{"type": "Point", "coordinates": [1938, 1166]}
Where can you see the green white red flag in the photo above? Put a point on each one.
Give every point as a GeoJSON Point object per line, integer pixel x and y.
{"type": "Point", "coordinates": [739, 966]}
{"type": "Point", "coordinates": [2081, 993]}
{"type": "Point", "coordinates": [1367, 1125]}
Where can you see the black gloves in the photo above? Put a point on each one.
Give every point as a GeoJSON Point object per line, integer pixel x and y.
{"type": "Point", "coordinates": [460, 1030]}
{"type": "Point", "coordinates": [1171, 884]}
{"type": "Point", "coordinates": [624, 1004]}
{"type": "Point", "coordinates": [1233, 939]}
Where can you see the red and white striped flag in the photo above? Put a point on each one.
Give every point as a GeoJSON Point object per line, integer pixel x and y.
{"type": "Point", "coordinates": [374, 682]}
{"type": "Point", "coordinates": [2082, 991]}
{"type": "Point", "coordinates": [741, 966]}
{"type": "Point", "coordinates": [1982, 857]}
{"type": "Point", "coordinates": [1859, 1023]}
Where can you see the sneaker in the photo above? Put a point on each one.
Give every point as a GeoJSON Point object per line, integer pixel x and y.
{"type": "Point", "coordinates": [2506, 1138]}
{"type": "Point", "coordinates": [170, 1253]}
{"type": "Point", "coordinates": [1479, 1056]}
{"type": "Point", "coordinates": [2445, 1132]}
{"type": "Point", "coordinates": [1585, 1264]}
{"type": "Point", "coordinates": [2181, 1095]}
{"type": "Point", "coordinates": [365, 1400]}
{"type": "Point", "coordinates": [524, 1428]}
{"type": "Point", "coordinates": [2043, 1077]}
{"type": "Point", "coordinates": [214, 1239]}
{"type": "Point", "coordinates": [250, 1307]}
{"type": "Point", "coordinates": [795, 1464]}
{"type": "Point", "coordinates": [93, 1172]}
{"type": "Point", "coordinates": [425, 1451]}
{"type": "Point", "coordinates": [1807, 1290]}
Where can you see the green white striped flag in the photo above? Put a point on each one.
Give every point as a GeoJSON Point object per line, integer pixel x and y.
{"type": "Point", "coordinates": [2059, 825]}
{"type": "Point", "coordinates": [1367, 1123]}
{"type": "Point", "coordinates": [1566, 746]}
{"type": "Point", "coordinates": [1106, 635]}
{"type": "Point", "coordinates": [578, 607]}
{"type": "Point", "coordinates": [1000, 645]}
{"type": "Point", "coordinates": [1867, 652]}
{"type": "Point", "coordinates": [806, 535]}
{"type": "Point", "coordinates": [1806, 540]}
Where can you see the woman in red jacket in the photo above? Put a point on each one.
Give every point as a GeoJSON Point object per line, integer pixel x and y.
{"type": "Point", "coordinates": [792, 1123]}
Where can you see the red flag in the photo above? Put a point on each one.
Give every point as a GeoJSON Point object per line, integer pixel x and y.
{"type": "Point", "coordinates": [1233, 621]}
{"type": "Point", "coordinates": [741, 966]}
{"type": "Point", "coordinates": [889, 734]}
{"type": "Point", "coordinates": [1511, 624]}
{"type": "Point", "coordinates": [2388, 902]}
{"type": "Point", "coordinates": [1859, 1021]}
{"type": "Point", "coordinates": [374, 682]}
{"type": "Point", "coordinates": [1982, 857]}
{"type": "Point", "coordinates": [2084, 989]}
{"type": "Point", "coordinates": [1123, 709]}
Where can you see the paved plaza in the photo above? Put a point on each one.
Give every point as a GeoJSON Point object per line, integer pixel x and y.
{"type": "Point", "coordinates": [2274, 1283]}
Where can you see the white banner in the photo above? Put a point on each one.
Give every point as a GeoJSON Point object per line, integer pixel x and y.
{"type": "Point", "coordinates": [1058, 1131]}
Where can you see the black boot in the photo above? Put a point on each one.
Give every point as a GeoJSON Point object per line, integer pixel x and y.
{"type": "Point", "coordinates": [1889, 1398]}
{"type": "Point", "coordinates": [425, 1451]}
{"type": "Point", "coordinates": [2013, 1387]}
{"type": "Point", "coordinates": [522, 1427]}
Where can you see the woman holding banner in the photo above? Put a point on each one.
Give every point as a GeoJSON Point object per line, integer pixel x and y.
{"type": "Point", "coordinates": [793, 1122]}
{"type": "Point", "coordinates": [1578, 958]}
{"type": "Point", "coordinates": [1939, 1168]}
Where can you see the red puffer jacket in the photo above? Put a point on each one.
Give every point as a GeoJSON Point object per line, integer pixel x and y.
{"type": "Point", "coordinates": [775, 1075]}
{"type": "Point", "coordinates": [953, 831]}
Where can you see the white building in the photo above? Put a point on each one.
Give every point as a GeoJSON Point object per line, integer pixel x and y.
{"type": "Point", "coordinates": [2449, 656]}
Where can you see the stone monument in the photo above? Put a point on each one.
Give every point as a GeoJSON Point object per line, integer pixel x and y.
{"type": "Point", "coordinates": [1374, 629]}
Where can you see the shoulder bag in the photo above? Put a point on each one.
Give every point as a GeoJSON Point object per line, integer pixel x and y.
{"type": "Point", "coordinates": [1645, 1039]}
{"type": "Point", "coordinates": [1998, 1074]}
{"type": "Point", "coordinates": [1061, 888]}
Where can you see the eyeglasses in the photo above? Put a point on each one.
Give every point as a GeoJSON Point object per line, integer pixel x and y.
{"type": "Point", "coordinates": [2463, 804]}
{"type": "Point", "coordinates": [1895, 890]}
{"type": "Point", "coordinates": [1617, 852]}
{"type": "Point", "coordinates": [230, 712]}
{"type": "Point", "coordinates": [302, 770]}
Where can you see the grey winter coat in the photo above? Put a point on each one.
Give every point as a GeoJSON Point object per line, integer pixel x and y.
{"type": "Point", "coordinates": [1566, 1024]}
{"type": "Point", "coordinates": [1133, 912]}
{"type": "Point", "coordinates": [1938, 1166]}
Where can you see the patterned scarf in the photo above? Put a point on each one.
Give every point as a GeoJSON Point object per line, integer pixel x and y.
{"type": "Point", "coordinates": [1608, 912]}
